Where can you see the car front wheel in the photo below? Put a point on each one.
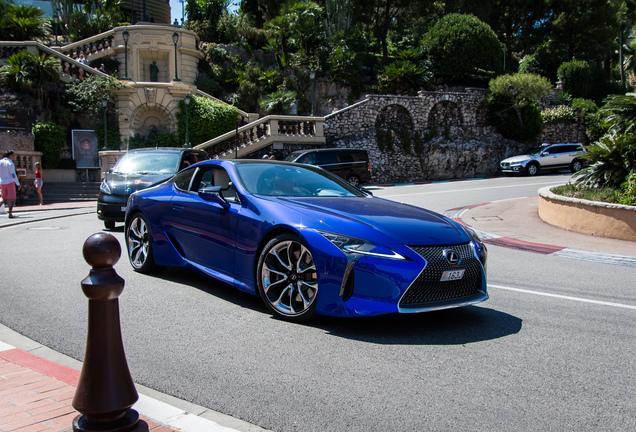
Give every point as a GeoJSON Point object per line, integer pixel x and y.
{"type": "Point", "coordinates": [139, 245]}
{"type": "Point", "coordinates": [532, 169]}
{"type": "Point", "coordinates": [576, 165]}
{"type": "Point", "coordinates": [287, 280]}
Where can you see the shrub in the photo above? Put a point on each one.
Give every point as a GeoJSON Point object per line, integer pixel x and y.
{"type": "Point", "coordinates": [577, 78]}
{"type": "Point", "coordinates": [560, 114]}
{"type": "Point", "coordinates": [461, 45]}
{"type": "Point", "coordinates": [50, 139]}
{"type": "Point", "coordinates": [417, 143]}
{"type": "Point", "coordinates": [405, 140]}
{"type": "Point", "coordinates": [611, 159]}
{"type": "Point", "coordinates": [508, 122]}
{"type": "Point", "coordinates": [207, 119]}
{"type": "Point", "coordinates": [627, 194]}
{"type": "Point", "coordinates": [154, 139]}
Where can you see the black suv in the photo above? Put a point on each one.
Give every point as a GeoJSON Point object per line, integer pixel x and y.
{"type": "Point", "coordinates": [140, 169]}
{"type": "Point", "coordinates": [350, 164]}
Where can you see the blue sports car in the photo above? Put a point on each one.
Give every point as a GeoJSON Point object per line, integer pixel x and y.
{"type": "Point", "coordinates": [304, 240]}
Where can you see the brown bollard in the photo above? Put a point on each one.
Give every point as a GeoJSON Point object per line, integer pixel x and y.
{"type": "Point", "coordinates": [105, 392]}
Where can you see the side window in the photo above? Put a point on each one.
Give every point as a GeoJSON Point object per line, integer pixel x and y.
{"type": "Point", "coordinates": [182, 180]}
{"type": "Point", "coordinates": [346, 157]}
{"type": "Point", "coordinates": [326, 158]}
{"type": "Point", "coordinates": [309, 158]}
{"type": "Point", "coordinates": [207, 179]}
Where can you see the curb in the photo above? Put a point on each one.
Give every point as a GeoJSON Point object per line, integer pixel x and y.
{"type": "Point", "coordinates": [542, 249]}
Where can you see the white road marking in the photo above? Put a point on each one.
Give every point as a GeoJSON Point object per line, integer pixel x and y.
{"type": "Point", "coordinates": [463, 190]}
{"type": "Point", "coordinates": [582, 300]}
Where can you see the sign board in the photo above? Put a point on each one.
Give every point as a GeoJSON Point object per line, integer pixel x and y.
{"type": "Point", "coordinates": [85, 150]}
{"type": "Point", "coordinates": [21, 172]}
{"type": "Point", "coordinates": [12, 119]}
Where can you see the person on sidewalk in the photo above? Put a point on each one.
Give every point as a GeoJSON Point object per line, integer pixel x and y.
{"type": "Point", "coordinates": [38, 181]}
{"type": "Point", "coordinates": [8, 181]}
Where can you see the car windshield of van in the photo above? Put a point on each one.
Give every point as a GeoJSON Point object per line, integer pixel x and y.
{"type": "Point", "coordinates": [155, 162]}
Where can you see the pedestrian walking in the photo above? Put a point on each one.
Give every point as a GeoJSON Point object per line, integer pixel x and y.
{"type": "Point", "coordinates": [38, 181]}
{"type": "Point", "coordinates": [8, 181]}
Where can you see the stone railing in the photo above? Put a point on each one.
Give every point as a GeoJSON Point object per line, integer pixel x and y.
{"type": "Point", "coordinates": [97, 45]}
{"type": "Point", "coordinates": [69, 66]}
{"type": "Point", "coordinates": [263, 132]}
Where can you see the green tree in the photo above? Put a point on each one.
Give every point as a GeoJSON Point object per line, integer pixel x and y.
{"type": "Point", "coordinates": [31, 73]}
{"type": "Point", "coordinates": [22, 22]}
{"type": "Point", "coordinates": [460, 46]}
{"type": "Point", "coordinates": [279, 102]}
{"type": "Point", "coordinates": [577, 78]}
{"type": "Point", "coordinates": [50, 139]}
{"type": "Point", "coordinates": [513, 101]}
{"type": "Point", "coordinates": [207, 119]}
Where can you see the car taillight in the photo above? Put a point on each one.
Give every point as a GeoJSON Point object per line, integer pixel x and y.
{"type": "Point", "coordinates": [368, 166]}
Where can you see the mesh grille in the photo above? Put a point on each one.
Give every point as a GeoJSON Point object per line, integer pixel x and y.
{"type": "Point", "coordinates": [427, 287]}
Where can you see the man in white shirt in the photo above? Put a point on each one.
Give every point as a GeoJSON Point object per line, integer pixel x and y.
{"type": "Point", "coordinates": [8, 181]}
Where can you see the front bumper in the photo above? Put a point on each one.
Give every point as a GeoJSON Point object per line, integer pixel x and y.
{"type": "Point", "coordinates": [111, 208]}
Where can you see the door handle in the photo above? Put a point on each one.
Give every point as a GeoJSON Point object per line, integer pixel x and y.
{"type": "Point", "coordinates": [177, 207]}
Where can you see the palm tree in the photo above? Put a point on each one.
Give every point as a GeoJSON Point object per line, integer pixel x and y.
{"type": "Point", "coordinates": [14, 73]}
{"type": "Point", "coordinates": [42, 72]}
{"type": "Point", "coordinates": [22, 22]}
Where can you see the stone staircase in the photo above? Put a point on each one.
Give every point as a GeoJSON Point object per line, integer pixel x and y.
{"type": "Point", "coordinates": [66, 192]}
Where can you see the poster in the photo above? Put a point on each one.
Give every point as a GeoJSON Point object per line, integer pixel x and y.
{"type": "Point", "coordinates": [12, 119]}
{"type": "Point", "coordinates": [85, 151]}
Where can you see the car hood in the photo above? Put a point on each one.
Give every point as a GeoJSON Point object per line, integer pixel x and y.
{"type": "Point", "coordinates": [379, 220]}
{"type": "Point", "coordinates": [519, 158]}
{"type": "Point", "coordinates": [119, 182]}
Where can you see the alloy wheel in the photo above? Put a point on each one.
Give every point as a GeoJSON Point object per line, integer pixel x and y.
{"type": "Point", "coordinates": [288, 278]}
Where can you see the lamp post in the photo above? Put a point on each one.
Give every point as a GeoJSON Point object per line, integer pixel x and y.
{"type": "Point", "coordinates": [312, 75]}
{"type": "Point", "coordinates": [175, 39]}
{"type": "Point", "coordinates": [56, 19]}
{"type": "Point", "coordinates": [125, 35]}
{"type": "Point", "coordinates": [104, 105]}
{"type": "Point", "coordinates": [187, 104]}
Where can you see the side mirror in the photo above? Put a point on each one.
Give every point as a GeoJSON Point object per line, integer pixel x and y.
{"type": "Point", "coordinates": [213, 194]}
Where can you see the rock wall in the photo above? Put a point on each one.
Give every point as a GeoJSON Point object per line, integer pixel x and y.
{"type": "Point", "coordinates": [456, 139]}
{"type": "Point", "coordinates": [563, 133]}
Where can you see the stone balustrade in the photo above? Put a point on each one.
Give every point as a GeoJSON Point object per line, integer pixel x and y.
{"type": "Point", "coordinates": [266, 131]}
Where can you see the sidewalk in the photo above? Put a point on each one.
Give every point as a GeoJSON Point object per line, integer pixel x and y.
{"type": "Point", "coordinates": [37, 386]}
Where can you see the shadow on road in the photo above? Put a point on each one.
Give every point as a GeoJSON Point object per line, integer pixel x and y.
{"type": "Point", "coordinates": [447, 327]}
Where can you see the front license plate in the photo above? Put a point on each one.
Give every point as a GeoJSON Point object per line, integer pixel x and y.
{"type": "Point", "coordinates": [451, 275]}
{"type": "Point", "coordinates": [123, 209]}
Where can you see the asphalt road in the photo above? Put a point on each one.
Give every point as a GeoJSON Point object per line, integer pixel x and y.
{"type": "Point", "coordinates": [519, 361]}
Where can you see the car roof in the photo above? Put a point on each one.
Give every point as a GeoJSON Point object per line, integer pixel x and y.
{"type": "Point", "coordinates": [329, 149]}
{"type": "Point", "coordinates": [166, 149]}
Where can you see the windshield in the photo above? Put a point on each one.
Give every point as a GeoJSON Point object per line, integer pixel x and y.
{"type": "Point", "coordinates": [535, 150]}
{"type": "Point", "coordinates": [151, 162]}
{"type": "Point", "coordinates": [294, 181]}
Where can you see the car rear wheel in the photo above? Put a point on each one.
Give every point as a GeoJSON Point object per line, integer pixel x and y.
{"type": "Point", "coordinates": [532, 169]}
{"type": "Point", "coordinates": [286, 278]}
{"type": "Point", "coordinates": [139, 245]}
{"type": "Point", "coordinates": [576, 165]}
{"type": "Point", "coordinates": [354, 180]}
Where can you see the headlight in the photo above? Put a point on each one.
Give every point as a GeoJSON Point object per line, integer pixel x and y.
{"type": "Point", "coordinates": [104, 187]}
{"type": "Point", "coordinates": [355, 246]}
{"type": "Point", "coordinates": [478, 244]}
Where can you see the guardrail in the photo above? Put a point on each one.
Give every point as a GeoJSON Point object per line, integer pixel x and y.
{"type": "Point", "coordinates": [263, 132]}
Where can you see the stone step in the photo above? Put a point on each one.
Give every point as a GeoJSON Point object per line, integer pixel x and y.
{"type": "Point", "coordinates": [65, 192]}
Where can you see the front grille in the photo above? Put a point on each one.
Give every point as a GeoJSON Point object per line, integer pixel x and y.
{"type": "Point", "coordinates": [427, 288]}
{"type": "Point", "coordinates": [505, 165]}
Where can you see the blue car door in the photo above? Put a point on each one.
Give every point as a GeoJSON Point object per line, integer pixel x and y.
{"type": "Point", "coordinates": [204, 232]}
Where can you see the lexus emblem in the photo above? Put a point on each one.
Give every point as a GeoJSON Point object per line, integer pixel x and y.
{"type": "Point", "coordinates": [451, 256]}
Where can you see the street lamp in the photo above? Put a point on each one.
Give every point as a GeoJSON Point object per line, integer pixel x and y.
{"type": "Point", "coordinates": [312, 75]}
{"type": "Point", "coordinates": [104, 105]}
{"type": "Point", "coordinates": [125, 35]}
{"type": "Point", "coordinates": [175, 39]}
{"type": "Point", "coordinates": [187, 104]}
{"type": "Point", "coordinates": [56, 19]}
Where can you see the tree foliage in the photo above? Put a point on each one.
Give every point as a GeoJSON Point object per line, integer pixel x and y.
{"type": "Point", "coordinates": [50, 139]}
{"type": "Point", "coordinates": [460, 46]}
{"type": "Point", "coordinates": [207, 119]}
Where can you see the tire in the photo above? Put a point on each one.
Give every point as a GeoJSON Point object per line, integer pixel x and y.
{"type": "Point", "coordinates": [532, 169]}
{"type": "Point", "coordinates": [576, 165]}
{"type": "Point", "coordinates": [109, 225]}
{"type": "Point", "coordinates": [286, 279]}
{"type": "Point", "coordinates": [354, 180]}
{"type": "Point", "coordinates": [139, 245]}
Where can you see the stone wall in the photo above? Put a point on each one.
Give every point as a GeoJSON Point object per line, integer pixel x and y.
{"type": "Point", "coordinates": [563, 133]}
{"type": "Point", "coordinates": [457, 141]}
